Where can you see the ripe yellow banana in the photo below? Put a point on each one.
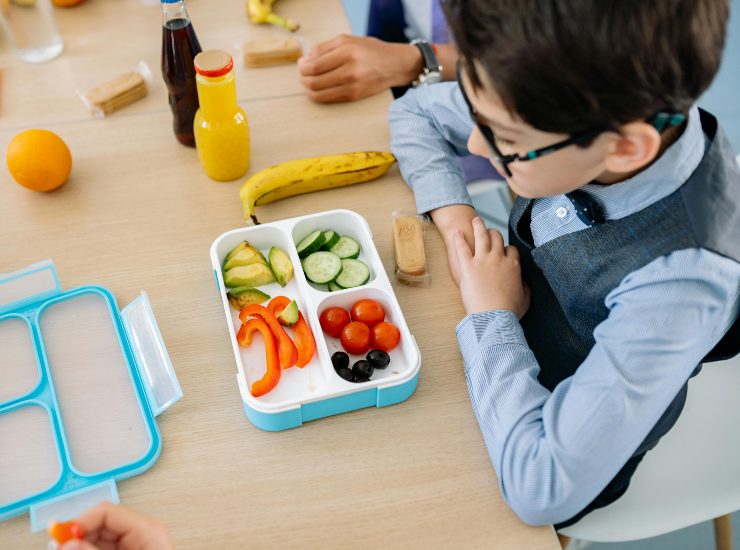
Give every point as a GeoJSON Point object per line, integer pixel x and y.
{"type": "Point", "coordinates": [260, 11]}
{"type": "Point", "coordinates": [312, 174]}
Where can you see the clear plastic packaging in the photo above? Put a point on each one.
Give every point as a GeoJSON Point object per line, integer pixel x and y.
{"type": "Point", "coordinates": [272, 51]}
{"type": "Point", "coordinates": [409, 250]}
{"type": "Point", "coordinates": [114, 94]}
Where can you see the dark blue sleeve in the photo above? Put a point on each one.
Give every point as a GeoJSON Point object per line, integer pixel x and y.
{"type": "Point", "coordinates": [386, 20]}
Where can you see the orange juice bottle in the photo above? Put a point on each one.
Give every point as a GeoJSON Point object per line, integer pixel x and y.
{"type": "Point", "coordinates": [220, 125]}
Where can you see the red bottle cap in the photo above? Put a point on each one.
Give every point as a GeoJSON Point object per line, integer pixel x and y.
{"type": "Point", "coordinates": [213, 63]}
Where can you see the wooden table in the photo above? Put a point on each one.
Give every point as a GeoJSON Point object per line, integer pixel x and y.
{"type": "Point", "coordinates": [138, 213]}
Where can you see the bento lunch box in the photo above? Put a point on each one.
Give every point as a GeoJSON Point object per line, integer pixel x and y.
{"type": "Point", "coordinates": [81, 385]}
{"type": "Point", "coordinates": [316, 390]}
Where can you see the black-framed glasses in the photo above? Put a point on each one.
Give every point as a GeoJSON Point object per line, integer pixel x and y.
{"type": "Point", "coordinates": [660, 121]}
{"type": "Point", "coordinates": [505, 160]}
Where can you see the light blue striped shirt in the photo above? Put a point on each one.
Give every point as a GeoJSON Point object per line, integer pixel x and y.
{"type": "Point", "coordinates": [555, 451]}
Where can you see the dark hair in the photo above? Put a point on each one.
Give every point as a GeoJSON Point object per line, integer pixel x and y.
{"type": "Point", "coordinates": [570, 66]}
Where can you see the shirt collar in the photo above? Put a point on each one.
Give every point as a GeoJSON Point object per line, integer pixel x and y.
{"type": "Point", "coordinates": [660, 179]}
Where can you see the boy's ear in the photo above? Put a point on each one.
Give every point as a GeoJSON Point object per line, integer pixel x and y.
{"type": "Point", "coordinates": [636, 146]}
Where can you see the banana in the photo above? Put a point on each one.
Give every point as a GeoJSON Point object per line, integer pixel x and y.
{"type": "Point", "coordinates": [260, 11]}
{"type": "Point", "coordinates": [312, 174]}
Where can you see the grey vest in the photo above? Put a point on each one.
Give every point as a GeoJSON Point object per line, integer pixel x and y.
{"type": "Point", "coordinates": [571, 275]}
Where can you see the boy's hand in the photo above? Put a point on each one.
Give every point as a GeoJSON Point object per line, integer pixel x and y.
{"type": "Point", "coordinates": [348, 68]}
{"type": "Point", "coordinates": [449, 221]}
{"type": "Point", "coordinates": [110, 527]}
{"type": "Point", "coordinates": [490, 275]}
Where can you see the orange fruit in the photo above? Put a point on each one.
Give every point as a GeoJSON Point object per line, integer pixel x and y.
{"type": "Point", "coordinates": [39, 160]}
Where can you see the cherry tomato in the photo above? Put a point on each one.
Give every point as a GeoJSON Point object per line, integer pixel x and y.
{"type": "Point", "coordinates": [355, 338]}
{"type": "Point", "coordinates": [333, 320]}
{"type": "Point", "coordinates": [385, 336]}
{"type": "Point", "coordinates": [369, 312]}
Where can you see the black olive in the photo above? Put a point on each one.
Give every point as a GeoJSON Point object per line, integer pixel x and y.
{"type": "Point", "coordinates": [362, 369]}
{"type": "Point", "coordinates": [361, 380]}
{"type": "Point", "coordinates": [340, 360]}
{"type": "Point", "coordinates": [378, 358]}
{"type": "Point", "coordinates": [346, 373]}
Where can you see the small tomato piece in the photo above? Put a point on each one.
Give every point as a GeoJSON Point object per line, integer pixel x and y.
{"type": "Point", "coordinates": [385, 336]}
{"type": "Point", "coordinates": [369, 312]}
{"type": "Point", "coordinates": [333, 320]}
{"type": "Point", "coordinates": [355, 338]}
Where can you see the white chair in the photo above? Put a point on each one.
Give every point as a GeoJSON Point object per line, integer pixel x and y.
{"type": "Point", "coordinates": [693, 475]}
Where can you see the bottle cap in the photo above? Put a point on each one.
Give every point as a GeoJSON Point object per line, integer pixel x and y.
{"type": "Point", "coordinates": [213, 63]}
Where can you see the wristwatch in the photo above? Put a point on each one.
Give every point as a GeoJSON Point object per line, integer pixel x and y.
{"type": "Point", "coordinates": [432, 71]}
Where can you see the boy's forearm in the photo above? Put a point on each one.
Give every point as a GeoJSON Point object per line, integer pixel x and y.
{"type": "Point", "coordinates": [429, 129]}
{"type": "Point", "coordinates": [449, 219]}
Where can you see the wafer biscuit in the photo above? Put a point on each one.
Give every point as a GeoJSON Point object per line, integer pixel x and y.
{"type": "Point", "coordinates": [408, 242]}
{"type": "Point", "coordinates": [115, 94]}
{"type": "Point", "coordinates": [271, 51]}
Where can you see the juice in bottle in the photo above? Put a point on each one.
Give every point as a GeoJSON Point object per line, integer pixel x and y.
{"type": "Point", "coordinates": [221, 129]}
{"type": "Point", "coordinates": [179, 48]}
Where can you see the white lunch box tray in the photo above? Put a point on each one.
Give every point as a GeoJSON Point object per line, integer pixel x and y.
{"type": "Point", "coordinates": [316, 390]}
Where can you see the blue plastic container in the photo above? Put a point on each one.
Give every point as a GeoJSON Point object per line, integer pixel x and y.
{"type": "Point", "coordinates": [80, 386]}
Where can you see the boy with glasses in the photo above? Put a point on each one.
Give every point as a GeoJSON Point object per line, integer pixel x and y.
{"type": "Point", "coordinates": [623, 271]}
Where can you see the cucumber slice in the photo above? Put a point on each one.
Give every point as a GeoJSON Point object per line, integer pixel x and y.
{"type": "Point", "coordinates": [346, 247]}
{"type": "Point", "coordinates": [310, 244]}
{"type": "Point", "coordinates": [334, 286]}
{"type": "Point", "coordinates": [322, 267]}
{"type": "Point", "coordinates": [331, 238]}
{"type": "Point", "coordinates": [354, 273]}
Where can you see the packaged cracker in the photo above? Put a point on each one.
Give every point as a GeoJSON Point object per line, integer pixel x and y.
{"type": "Point", "coordinates": [409, 250]}
{"type": "Point", "coordinates": [114, 94]}
{"type": "Point", "coordinates": [272, 51]}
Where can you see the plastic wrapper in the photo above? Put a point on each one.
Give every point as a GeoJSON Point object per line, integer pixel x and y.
{"type": "Point", "coordinates": [267, 52]}
{"type": "Point", "coordinates": [118, 92]}
{"type": "Point", "coordinates": [409, 250]}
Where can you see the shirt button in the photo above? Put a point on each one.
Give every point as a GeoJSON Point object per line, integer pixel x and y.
{"type": "Point", "coordinates": [561, 212]}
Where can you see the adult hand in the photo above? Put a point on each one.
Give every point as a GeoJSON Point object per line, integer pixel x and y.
{"type": "Point", "coordinates": [348, 68]}
{"type": "Point", "coordinates": [110, 527]}
{"type": "Point", "coordinates": [490, 274]}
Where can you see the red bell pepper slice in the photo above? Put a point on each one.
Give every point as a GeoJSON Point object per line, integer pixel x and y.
{"type": "Point", "coordinates": [287, 351]}
{"type": "Point", "coordinates": [272, 376]}
{"type": "Point", "coordinates": [305, 341]}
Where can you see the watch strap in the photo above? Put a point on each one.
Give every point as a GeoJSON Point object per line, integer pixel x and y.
{"type": "Point", "coordinates": [429, 58]}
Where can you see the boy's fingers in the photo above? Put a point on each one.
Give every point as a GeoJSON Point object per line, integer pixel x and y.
{"type": "Point", "coordinates": [497, 241]}
{"type": "Point", "coordinates": [482, 239]}
{"type": "Point", "coordinates": [462, 248]}
{"type": "Point", "coordinates": [511, 251]}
